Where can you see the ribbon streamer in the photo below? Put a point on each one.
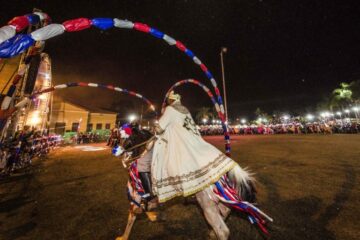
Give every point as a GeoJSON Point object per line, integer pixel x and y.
{"type": "Point", "coordinates": [17, 24]}
{"type": "Point", "coordinates": [96, 85]}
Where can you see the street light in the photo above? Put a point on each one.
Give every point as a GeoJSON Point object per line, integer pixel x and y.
{"type": "Point", "coordinates": [222, 51]}
{"type": "Point", "coordinates": [35, 118]}
{"type": "Point", "coordinates": [309, 117]}
{"type": "Point", "coordinates": [356, 110]}
{"type": "Point", "coordinates": [243, 121]}
{"type": "Point", "coordinates": [325, 114]}
{"type": "Point", "coordinates": [204, 120]}
{"type": "Point", "coordinates": [132, 118]}
{"type": "Point", "coordinates": [348, 112]}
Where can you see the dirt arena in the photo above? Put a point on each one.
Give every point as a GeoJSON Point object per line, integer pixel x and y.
{"type": "Point", "coordinates": [308, 184]}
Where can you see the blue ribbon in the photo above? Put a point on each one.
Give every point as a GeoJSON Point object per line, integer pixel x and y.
{"type": "Point", "coordinates": [15, 45]}
{"type": "Point", "coordinates": [33, 18]}
{"type": "Point", "coordinates": [209, 75]}
{"type": "Point", "coordinates": [103, 23]}
{"type": "Point", "coordinates": [156, 33]}
{"type": "Point", "coordinates": [189, 53]}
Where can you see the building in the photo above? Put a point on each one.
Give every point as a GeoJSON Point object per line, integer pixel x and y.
{"type": "Point", "coordinates": [70, 117]}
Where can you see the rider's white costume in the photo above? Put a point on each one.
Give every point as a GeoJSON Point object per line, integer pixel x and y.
{"type": "Point", "coordinates": [183, 163]}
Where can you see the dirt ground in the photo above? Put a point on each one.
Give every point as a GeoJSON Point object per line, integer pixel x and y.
{"type": "Point", "coordinates": [308, 184]}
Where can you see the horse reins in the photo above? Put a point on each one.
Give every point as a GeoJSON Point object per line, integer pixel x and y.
{"type": "Point", "coordinates": [140, 144]}
{"type": "Point", "coordinates": [130, 160]}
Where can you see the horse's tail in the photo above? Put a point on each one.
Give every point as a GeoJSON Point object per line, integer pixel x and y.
{"type": "Point", "coordinates": [244, 183]}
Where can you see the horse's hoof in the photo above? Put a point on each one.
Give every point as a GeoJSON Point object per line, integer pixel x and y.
{"type": "Point", "coordinates": [212, 235]}
{"type": "Point", "coordinates": [153, 216]}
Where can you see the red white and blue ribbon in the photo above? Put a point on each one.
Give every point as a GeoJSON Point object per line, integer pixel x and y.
{"type": "Point", "coordinates": [227, 194]}
{"type": "Point", "coordinates": [96, 85]}
{"type": "Point", "coordinates": [211, 96]}
{"type": "Point", "coordinates": [19, 23]}
{"type": "Point", "coordinates": [16, 25]}
{"type": "Point", "coordinates": [135, 189]}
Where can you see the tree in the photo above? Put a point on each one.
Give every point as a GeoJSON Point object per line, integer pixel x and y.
{"type": "Point", "coordinates": [341, 97]}
{"type": "Point", "coordinates": [259, 113]}
{"type": "Point", "coordinates": [355, 88]}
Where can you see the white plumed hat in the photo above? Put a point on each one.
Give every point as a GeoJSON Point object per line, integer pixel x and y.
{"type": "Point", "coordinates": [174, 96]}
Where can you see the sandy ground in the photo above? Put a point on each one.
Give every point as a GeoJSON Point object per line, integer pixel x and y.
{"type": "Point", "coordinates": [308, 184]}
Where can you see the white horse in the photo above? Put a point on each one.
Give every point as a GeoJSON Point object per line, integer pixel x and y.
{"type": "Point", "coordinates": [216, 206]}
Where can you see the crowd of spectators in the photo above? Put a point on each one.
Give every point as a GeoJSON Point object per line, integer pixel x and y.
{"type": "Point", "coordinates": [17, 151]}
{"type": "Point", "coordinates": [285, 128]}
{"type": "Point", "coordinates": [89, 137]}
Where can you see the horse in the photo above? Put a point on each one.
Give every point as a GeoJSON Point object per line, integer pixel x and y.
{"type": "Point", "coordinates": [235, 190]}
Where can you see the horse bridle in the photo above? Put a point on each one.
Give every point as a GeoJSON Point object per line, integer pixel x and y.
{"type": "Point", "coordinates": [126, 158]}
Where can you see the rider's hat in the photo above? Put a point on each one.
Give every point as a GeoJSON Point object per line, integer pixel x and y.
{"type": "Point", "coordinates": [174, 96]}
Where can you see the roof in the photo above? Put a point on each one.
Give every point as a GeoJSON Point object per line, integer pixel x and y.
{"type": "Point", "coordinates": [90, 109]}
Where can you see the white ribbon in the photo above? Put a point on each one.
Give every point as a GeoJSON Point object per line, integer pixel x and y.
{"type": "Point", "coordinates": [47, 32]}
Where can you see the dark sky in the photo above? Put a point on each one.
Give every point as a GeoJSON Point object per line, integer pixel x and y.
{"type": "Point", "coordinates": [283, 55]}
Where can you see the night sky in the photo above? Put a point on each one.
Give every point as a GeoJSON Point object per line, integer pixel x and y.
{"type": "Point", "coordinates": [282, 55]}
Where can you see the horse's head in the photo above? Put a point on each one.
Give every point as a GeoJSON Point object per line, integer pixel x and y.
{"type": "Point", "coordinates": [133, 143]}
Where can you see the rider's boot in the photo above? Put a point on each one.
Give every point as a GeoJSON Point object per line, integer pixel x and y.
{"type": "Point", "coordinates": [145, 178]}
{"type": "Point", "coordinates": [146, 183]}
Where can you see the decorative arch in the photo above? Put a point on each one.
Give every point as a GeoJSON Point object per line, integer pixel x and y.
{"type": "Point", "coordinates": [15, 44]}
{"type": "Point", "coordinates": [96, 85]}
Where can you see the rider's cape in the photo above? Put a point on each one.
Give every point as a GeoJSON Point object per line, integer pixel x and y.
{"type": "Point", "coordinates": [183, 163]}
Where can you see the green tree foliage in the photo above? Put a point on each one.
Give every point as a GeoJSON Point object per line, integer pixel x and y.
{"type": "Point", "coordinates": [355, 88]}
{"type": "Point", "coordinates": [342, 96]}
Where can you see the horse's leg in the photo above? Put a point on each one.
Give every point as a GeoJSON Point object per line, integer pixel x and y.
{"type": "Point", "coordinates": [224, 210]}
{"type": "Point", "coordinates": [212, 215]}
{"type": "Point", "coordinates": [129, 225]}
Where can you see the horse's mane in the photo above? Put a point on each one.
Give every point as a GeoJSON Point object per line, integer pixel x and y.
{"type": "Point", "coordinates": [138, 136]}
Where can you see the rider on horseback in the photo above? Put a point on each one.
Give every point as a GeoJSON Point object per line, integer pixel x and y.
{"type": "Point", "coordinates": [182, 162]}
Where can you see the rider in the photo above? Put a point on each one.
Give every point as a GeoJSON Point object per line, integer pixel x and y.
{"type": "Point", "coordinates": [143, 163]}
{"type": "Point", "coordinates": [182, 162]}
{"type": "Point", "coordinates": [114, 136]}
